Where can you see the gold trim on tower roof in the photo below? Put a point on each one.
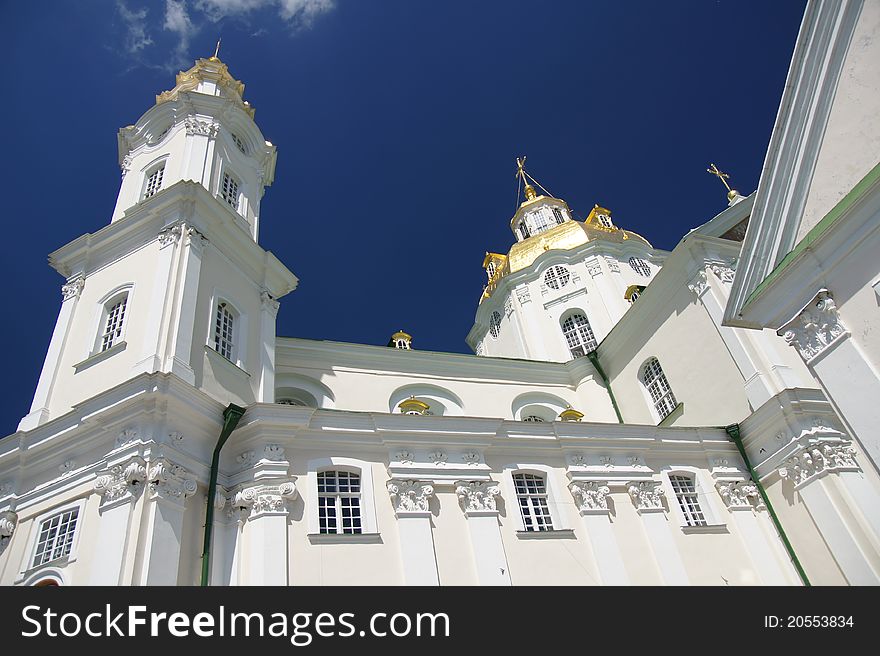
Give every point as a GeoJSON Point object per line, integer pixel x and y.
{"type": "Point", "coordinates": [208, 70]}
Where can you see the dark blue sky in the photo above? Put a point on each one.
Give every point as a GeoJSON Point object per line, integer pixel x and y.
{"type": "Point", "coordinates": [397, 123]}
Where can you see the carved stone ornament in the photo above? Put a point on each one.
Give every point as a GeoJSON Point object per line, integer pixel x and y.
{"type": "Point", "coordinates": [606, 461]}
{"type": "Point", "coordinates": [125, 165]}
{"type": "Point", "coordinates": [170, 481]}
{"type": "Point", "coordinates": [593, 267]}
{"type": "Point", "coordinates": [195, 126]}
{"type": "Point", "coordinates": [508, 306]}
{"type": "Point", "coordinates": [698, 283]}
{"type": "Point", "coordinates": [6, 490]}
{"type": "Point", "coordinates": [404, 457]}
{"type": "Point", "coordinates": [122, 482]}
{"type": "Point", "coordinates": [477, 496]}
{"type": "Point", "coordinates": [646, 495]}
{"type": "Point", "coordinates": [523, 295]}
{"type": "Point", "coordinates": [590, 495]}
{"type": "Point", "coordinates": [578, 460]}
{"type": "Point", "coordinates": [73, 288]}
{"type": "Point", "coordinates": [612, 264]}
{"type": "Point", "coordinates": [196, 239]}
{"type": "Point", "coordinates": [66, 468]}
{"type": "Point", "coordinates": [176, 436]}
{"type": "Point", "coordinates": [258, 500]}
{"type": "Point", "coordinates": [471, 458]}
{"type": "Point", "coordinates": [814, 328]}
{"type": "Point", "coordinates": [8, 522]}
{"type": "Point", "coordinates": [740, 494]}
{"type": "Point", "coordinates": [274, 452]}
{"type": "Point", "coordinates": [245, 459]}
{"type": "Point", "coordinates": [438, 457]}
{"type": "Point", "coordinates": [126, 437]}
{"type": "Point", "coordinates": [170, 234]}
{"type": "Point", "coordinates": [410, 496]}
{"type": "Point", "coordinates": [268, 302]}
{"type": "Point", "coordinates": [817, 458]}
{"type": "Point", "coordinates": [723, 273]}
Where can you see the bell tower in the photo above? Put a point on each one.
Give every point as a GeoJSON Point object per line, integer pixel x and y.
{"type": "Point", "coordinates": [176, 284]}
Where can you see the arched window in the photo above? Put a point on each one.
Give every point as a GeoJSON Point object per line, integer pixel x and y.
{"type": "Point", "coordinates": [556, 277]}
{"type": "Point", "coordinates": [686, 494]}
{"type": "Point", "coordinates": [224, 331]}
{"type": "Point", "coordinates": [531, 496]}
{"type": "Point", "coordinates": [658, 387]}
{"type": "Point", "coordinates": [640, 266]}
{"type": "Point", "coordinates": [533, 418]}
{"type": "Point", "coordinates": [339, 502]}
{"type": "Point", "coordinates": [578, 335]}
{"type": "Point", "coordinates": [113, 321]}
{"type": "Point", "coordinates": [495, 324]}
{"type": "Point", "coordinates": [239, 143]}
{"type": "Point", "coordinates": [289, 401]}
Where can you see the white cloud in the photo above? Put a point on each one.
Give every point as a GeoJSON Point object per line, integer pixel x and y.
{"type": "Point", "coordinates": [177, 21]}
{"type": "Point", "coordinates": [136, 37]}
{"type": "Point", "coordinates": [298, 13]}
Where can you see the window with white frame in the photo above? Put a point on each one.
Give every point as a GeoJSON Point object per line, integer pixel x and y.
{"type": "Point", "coordinates": [640, 266]}
{"type": "Point", "coordinates": [658, 388]}
{"type": "Point", "coordinates": [495, 324]}
{"type": "Point", "coordinates": [531, 496]}
{"type": "Point", "coordinates": [154, 181]}
{"type": "Point", "coordinates": [556, 277]}
{"type": "Point", "coordinates": [224, 331]}
{"type": "Point", "coordinates": [540, 220]}
{"type": "Point", "coordinates": [113, 321]}
{"type": "Point", "coordinates": [55, 538]}
{"type": "Point", "coordinates": [229, 191]}
{"type": "Point", "coordinates": [578, 335]}
{"type": "Point", "coordinates": [685, 489]}
{"type": "Point", "coordinates": [339, 502]}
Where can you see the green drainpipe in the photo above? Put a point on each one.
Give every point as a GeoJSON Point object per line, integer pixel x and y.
{"type": "Point", "coordinates": [231, 415]}
{"type": "Point", "coordinates": [592, 357]}
{"type": "Point", "coordinates": [733, 432]}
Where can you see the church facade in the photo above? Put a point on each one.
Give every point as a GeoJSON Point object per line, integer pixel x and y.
{"type": "Point", "coordinates": [616, 425]}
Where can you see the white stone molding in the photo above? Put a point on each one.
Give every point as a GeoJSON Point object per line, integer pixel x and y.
{"type": "Point", "coordinates": [646, 495]}
{"type": "Point", "coordinates": [409, 496]}
{"type": "Point", "coordinates": [268, 302]}
{"type": "Point", "coordinates": [195, 126]}
{"type": "Point", "coordinates": [170, 481]}
{"type": "Point", "coordinates": [590, 496]}
{"type": "Point", "coordinates": [66, 468]}
{"type": "Point", "coordinates": [593, 267]}
{"type": "Point", "coordinates": [73, 288]}
{"type": "Point", "coordinates": [126, 437]}
{"type": "Point", "coordinates": [606, 461]}
{"type": "Point", "coordinates": [577, 460]}
{"type": "Point", "coordinates": [438, 457]}
{"type": "Point", "coordinates": [818, 458]}
{"type": "Point", "coordinates": [477, 496]}
{"type": "Point", "coordinates": [404, 456]}
{"type": "Point", "coordinates": [699, 283]}
{"type": "Point", "coordinates": [176, 436]}
{"type": "Point", "coordinates": [523, 295]}
{"type": "Point", "coordinates": [612, 264]}
{"type": "Point", "coordinates": [738, 495]}
{"type": "Point", "coordinates": [6, 489]}
{"type": "Point", "coordinates": [815, 328]}
{"type": "Point", "coordinates": [268, 499]}
{"type": "Point", "coordinates": [471, 458]}
{"type": "Point", "coordinates": [170, 234]}
{"type": "Point", "coordinates": [122, 482]}
{"type": "Point", "coordinates": [508, 306]}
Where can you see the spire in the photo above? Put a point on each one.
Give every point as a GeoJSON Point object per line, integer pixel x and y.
{"type": "Point", "coordinates": [529, 190]}
{"type": "Point", "coordinates": [732, 194]}
{"type": "Point", "coordinates": [216, 51]}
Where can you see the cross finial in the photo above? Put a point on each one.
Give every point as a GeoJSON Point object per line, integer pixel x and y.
{"type": "Point", "coordinates": [719, 174]}
{"type": "Point", "coordinates": [217, 49]}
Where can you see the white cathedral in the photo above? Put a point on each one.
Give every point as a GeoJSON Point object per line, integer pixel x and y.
{"type": "Point", "coordinates": [631, 416]}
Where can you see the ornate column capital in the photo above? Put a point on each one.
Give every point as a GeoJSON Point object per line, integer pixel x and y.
{"type": "Point", "coordinates": [195, 126]}
{"type": "Point", "coordinates": [738, 495]}
{"type": "Point", "coordinates": [170, 481]}
{"type": "Point", "coordinates": [410, 497]}
{"type": "Point", "coordinates": [73, 288]}
{"type": "Point", "coordinates": [724, 272]}
{"type": "Point", "coordinates": [268, 302]}
{"type": "Point", "coordinates": [196, 239]}
{"type": "Point", "coordinates": [590, 496]}
{"type": "Point", "coordinates": [646, 495]}
{"type": "Point", "coordinates": [170, 234]}
{"type": "Point", "coordinates": [816, 459]}
{"type": "Point", "coordinates": [699, 283]}
{"type": "Point", "coordinates": [8, 522]}
{"type": "Point", "coordinates": [813, 330]}
{"type": "Point", "coordinates": [477, 496]}
{"type": "Point", "coordinates": [262, 500]}
{"type": "Point", "coordinates": [121, 483]}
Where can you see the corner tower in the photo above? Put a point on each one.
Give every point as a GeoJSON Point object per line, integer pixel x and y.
{"type": "Point", "coordinates": [563, 284]}
{"type": "Point", "coordinates": [176, 284]}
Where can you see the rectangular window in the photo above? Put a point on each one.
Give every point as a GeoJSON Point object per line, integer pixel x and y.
{"type": "Point", "coordinates": [686, 493]}
{"type": "Point", "coordinates": [531, 493]}
{"type": "Point", "coordinates": [154, 181]}
{"type": "Point", "coordinates": [223, 332]}
{"type": "Point", "coordinates": [113, 325]}
{"type": "Point", "coordinates": [56, 537]}
{"type": "Point", "coordinates": [558, 215]}
{"type": "Point", "coordinates": [339, 502]}
{"type": "Point", "coordinates": [229, 191]}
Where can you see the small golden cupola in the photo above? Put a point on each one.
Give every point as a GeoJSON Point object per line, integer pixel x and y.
{"type": "Point", "coordinates": [537, 213]}
{"type": "Point", "coordinates": [401, 340]}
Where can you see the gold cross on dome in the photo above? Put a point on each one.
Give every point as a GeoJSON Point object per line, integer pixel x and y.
{"type": "Point", "coordinates": [719, 174]}
{"type": "Point", "coordinates": [520, 163]}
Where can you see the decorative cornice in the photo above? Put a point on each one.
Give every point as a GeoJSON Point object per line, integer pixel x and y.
{"type": "Point", "coordinates": [122, 482]}
{"type": "Point", "coordinates": [195, 126]}
{"type": "Point", "coordinates": [815, 328]}
{"type": "Point", "coordinates": [738, 495]}
{"type": "Point", "coordinates": [170, 481]}
{"type": "Point", "coordinates": [646, 495]}
{"type": "Point", "coordinates": [258, 500]}
{"type": "Point", "coordinates": [818, 458]}
{"type": "Point", "coordinates": [477, 496]}
{"type": "Point", "coordinates": [438, 457]}
{"type": "Point", "coordinates": [409, 496]}
{"type": "Point", "coordinates": [590, 496]}
{"type": "Point", "coordinates": [72, 288]}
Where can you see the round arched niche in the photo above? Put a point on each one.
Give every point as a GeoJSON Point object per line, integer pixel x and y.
{"type": "Point", "coordinates": [537, 407]}
{"type": "Point", "coordinates": [294, 389]}
{"type": "Point", "coordinates": [440, 401]}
